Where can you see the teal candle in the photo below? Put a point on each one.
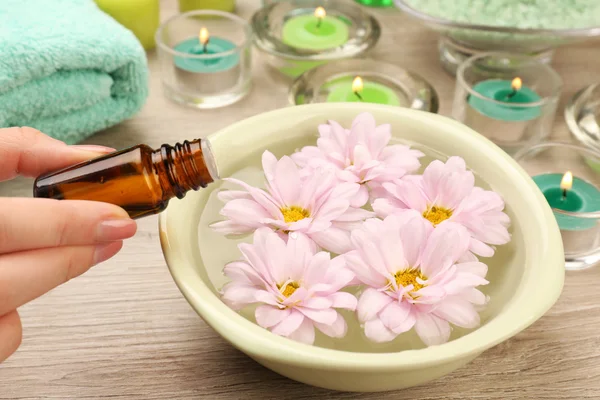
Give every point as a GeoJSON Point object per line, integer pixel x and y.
{"type": "Point", "coordinates": [345, 91]}
{"type": "Point", "coordinates": [215, 46]}
{"type": "Point", "coordinates": [315, 32]}
{"type": "Point", "coordinates": [503, 91]}
{"type": "Point", "coordinates": [581, 197]}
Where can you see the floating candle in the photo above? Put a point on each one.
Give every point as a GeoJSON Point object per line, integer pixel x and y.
{"type": "Point", "coordinates": [209, 46]}
{"type": "Point", "coordinates": [356, 90]}
{"type": "Point", "coordinates": [314, 32]}
{"type": "Point", "coordinates": [505, 100]}
{"type": "Point", "coordinates": [564, 192]}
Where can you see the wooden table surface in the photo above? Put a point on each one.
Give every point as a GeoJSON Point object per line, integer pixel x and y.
{"type": "Point", "coordinates": [124, 331]}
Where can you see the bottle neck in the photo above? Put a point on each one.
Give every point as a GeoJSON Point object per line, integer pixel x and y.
{"type": "Point", "coordinates": [185, 166]}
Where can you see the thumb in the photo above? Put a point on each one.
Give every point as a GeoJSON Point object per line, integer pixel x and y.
{"type": "Point", "coordinates": [27, 151]}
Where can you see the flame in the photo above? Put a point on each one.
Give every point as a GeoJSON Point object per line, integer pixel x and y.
{"type": "Point", "coordinates": [566, 182]}
{"type": "Point", "coordinates": [357, 85]}
{"type": "Point", "coordinates": [203, 36]}
{"type": "Point", "coordinates": [516, 83]}
{"type": "Point", "coordinates": [320, 12]}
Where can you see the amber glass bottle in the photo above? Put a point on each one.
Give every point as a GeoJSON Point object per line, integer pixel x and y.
{"type": "Point", "coordinates": [139, 179]}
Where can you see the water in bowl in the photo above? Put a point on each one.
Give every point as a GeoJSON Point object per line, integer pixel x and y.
{"type": "Point", "coordinates": [503, 281]}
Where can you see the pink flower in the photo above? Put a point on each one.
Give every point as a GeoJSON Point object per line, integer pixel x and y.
{"type": "Point", "coordinates": [297, 289]}
{"type": "Point", "coordinates": [446, 193]}
{"type": "Point", "coordinates": [313, 204]}
{"type": "Point", "coordinates": [414, 278]}
{"type": "Point", "coordinates": [360, 155]}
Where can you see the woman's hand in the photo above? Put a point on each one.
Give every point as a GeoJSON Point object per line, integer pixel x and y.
{"type": "Point", "coordinates": [44, 242]}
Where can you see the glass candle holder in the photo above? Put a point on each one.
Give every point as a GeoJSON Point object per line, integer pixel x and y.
{"type": "Point", "coordinates": [297, 35]}
{"type": "Point", "coordinates": [205, 58]}
{"type": "Point", "coordinates": [583, 118]}
{"type": "Point", "coordinates": [575, 199]}
{"type": "Point", "coordinates": [378, 82]}
{"type": "Point", "coordinates": [510, 99]}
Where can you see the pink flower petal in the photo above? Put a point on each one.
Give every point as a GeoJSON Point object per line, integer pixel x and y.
{"type": "Point", "coordinates": [448, 241]}
{"type": "Point", "coordinates": [336, 330]}
{"type": "Point", "coordinates": [475, 268]}
{"type": "Point", "coordinates": [269, 163]}
{"type": "Point", "coordinates": [266, 297]}
{"type": "Point", "coordinates": [317, 303]}
{"type": "Point", "coordinates": [230, 228]}
{"type": "Point", "coordinates": [362, 271]}
{"type": "Point", "coordinates": [316, 268]}
{"type": "Point", "coordinates": [268, 316]}
{"type": "Point", "coordinates": [228, 195]}
{"type": "Point", "coordinates": [411, 194]}
{"type": "Point", "coordinates": [242, 272]}
{"type": "Point", "coordinates": [379, 139]}
{"type": "Point", "coordinates": [384, 207]}
{"type": "Point", "coordinates": [343, 300]}
{"type": "Point", "coordinates": [354, 214]}
{"type": "Point", "coordinates": [287, 180]}
{"type": "Point", "coordinates": [301, 225]}
{"type": "Point", "coordinates": [407, 324]}
{"type": "Point", "coordinates": [370, 303]}
{"type": "Point", "coordinates": [276, 258]}
{"type": "Point", "coordinates": [394, 314]}
{"type": "Point", "coordinates": [361, 197]}
{"type": "Point", "coordinates": [326, 316]}
{"type": "Point", "coordinates": [361, 156]}
{"type": "Point", "coordinates": [334, 240]}
{"type": "Point", "coordinates": [474, 296]}
{"type": "Point", "coordinates": [431, 329]}
{"type": "Point", "coordinates": [245, 212]}
{"type": "Point", "coordinates": [458, 311]}
{"type": "Point", "coordinates": [238, 295]}
{"type": "Point", "coordinates": [414, 232]}
{"type": "Point", "coordinates": [290, 324]}
{"type": "Point", "coordinates": [305, 333]}
{"type": "Point", "coordinates": [377, 332]}
{"type": "Point", "coordinates": [332, 209]}
{"type": "Point", "coordinates": [480, 248]}
{"type": "Point", "coordinates": [298, 296]}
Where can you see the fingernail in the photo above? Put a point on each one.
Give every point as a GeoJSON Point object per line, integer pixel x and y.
{"type": "Point", "coordinates": [105, 251]}
{"type": "Point", "coordinates": [115, 229]}
{"type": "Point", "coordinates": [93, 148]}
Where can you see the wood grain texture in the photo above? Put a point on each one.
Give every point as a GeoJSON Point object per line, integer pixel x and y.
{"type": "Point", "coordinates": [123, 330]}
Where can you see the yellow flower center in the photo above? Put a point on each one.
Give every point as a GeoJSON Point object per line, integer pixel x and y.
{"type": "Point", "coordinates": [437, 215]}
{"type": "Point", "coordinates": [288, 289]}
{"type": "Point", "coordinates": [409, 277]}
{"type": "Point", "coordinates": [294, 213]}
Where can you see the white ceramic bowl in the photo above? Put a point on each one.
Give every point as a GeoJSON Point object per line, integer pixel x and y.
{"type": "Point", "coordinates": [526, 277]}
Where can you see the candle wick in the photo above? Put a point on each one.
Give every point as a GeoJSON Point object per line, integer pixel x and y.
{"type": "Point", "coordinates": [359, 96]}
{"type": "Point", "coordinates": [564, 194]}
{"type": "Point", "coordinates": [205, 47]}
{"type": "Point", "coordinates": [319, 20]}
{"type": "Point", "coordinates": [512, 94]}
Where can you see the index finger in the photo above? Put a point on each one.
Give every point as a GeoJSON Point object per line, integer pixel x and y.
{"type": "Point", "coordinates": [27, 151]}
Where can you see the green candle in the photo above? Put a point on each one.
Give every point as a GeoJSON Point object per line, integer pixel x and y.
{"type": "Point", "coordinates": [512, 96]}
{"type": "Point", "coordinates": [139, 16]}
{"type": "Point", "coordinates": [581, 196]}
{"type": "Point", "coordinates": [347, 90]}
{"type": "Point", "coordinates": [314, 32]}
{"type": "Point", "coordinates": [221, 5]}
{"type": "Point", "coordinates": [376, 3]}
{"type": "Point", "coordinates": [209, 45]}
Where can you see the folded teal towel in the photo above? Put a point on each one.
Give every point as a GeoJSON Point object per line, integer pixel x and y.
{"type": "Point", "coordinates": [67, 69]}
